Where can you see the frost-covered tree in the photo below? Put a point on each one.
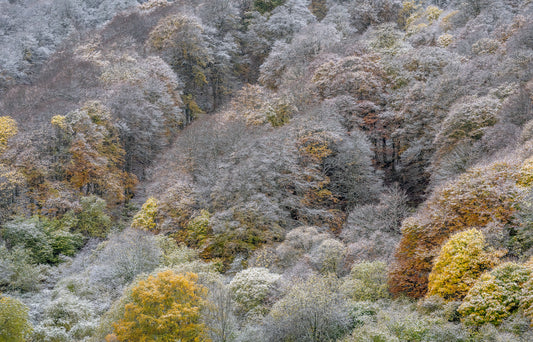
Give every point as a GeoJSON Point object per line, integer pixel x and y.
{"type": "Point", "coordinates": [14, 320]}
{"type": "Point", "coordinates": [312, 310]}
{"type": "Point", "coordinates": [461, 261]}
{"type": "Point", "coordinates": [495, 296]}
{"type": "Point", "coordinates": [250, 289]}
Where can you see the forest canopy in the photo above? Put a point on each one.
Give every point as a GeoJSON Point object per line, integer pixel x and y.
{"type": "Point", "coordinates": [278, 170]}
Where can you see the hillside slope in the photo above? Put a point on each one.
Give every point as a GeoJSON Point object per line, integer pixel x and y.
{"type": "Point", "coordinates": [266, 170]}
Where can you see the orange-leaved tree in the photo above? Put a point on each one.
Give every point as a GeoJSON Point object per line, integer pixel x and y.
{"type": "Point", "coordinates": [95, 153]}
{"type": "Point", "coordinates": [164, 308]}
{"type": "Point", "coordinates": [482, 196]}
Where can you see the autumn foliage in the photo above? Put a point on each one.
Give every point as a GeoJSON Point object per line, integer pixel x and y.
{"type": "Point", "coordinates": [96, 154]}
{"type": "Point", "coordinates": [165, 308]}
{"type": "Point", "coordinates": [461, 261]}
{"type": "Point", "coordinates": [8, 128]}
{"type": "Point", "coordinates": [481, 196]}
{"type": "Point", "coordinates": [14, 322]}
{"type": "Point", "coordinates": [496, 295]}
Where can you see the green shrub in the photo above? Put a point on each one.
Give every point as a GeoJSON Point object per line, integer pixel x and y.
{"type": "Point", "coordinates": [14, 320]}
{"type": "Point", "coordinates": [367, 281]}
{"type": "Point", "coordinates": [45, 240]}
{"type": "Point", "coordinates": [17, 271]}
{"type": "Point", "coordinates": [30, 235]}
{"type": "Point", "coordinates": [263, 6]}
{"type": "Point", "coordinates": [495, 296]}
{"type": "Point", "coordinates": [198, 229]}
{"type": "Point", "coordinates": [93, 220]}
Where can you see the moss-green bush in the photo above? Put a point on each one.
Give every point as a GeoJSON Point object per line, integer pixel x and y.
{"type": "Point", "coordinates": [367, 281]}
{"type": "Point", "coordinates": [495, 296]}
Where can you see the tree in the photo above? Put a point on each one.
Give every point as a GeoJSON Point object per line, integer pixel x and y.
{"type": "Point", "coordinates": [319, 8]}
{"type": "Point", "coordinates": [373, 230]}
{"type": "Point", "coordinates": [250, 289]}
{"type": "Point", "coordinates": [182, 42]}
{"type": "Point", "coordinates": [461, 261]}
{"type": "Point", "coordinates": [14, 320]}
{"type": "Point", "coordinates": [328, 256]}
{"type": "Point", "coordinates": [526, 301]}
{"type": "Point", "coordinates": [67, 317]}
{"type": "Point", "coordinates": [482, 196]}
{"type": "Point", "coordinates": [8, 128]}
{"type": "Point", "coordinates": [366, 12]}
{"type": "Point", "coordinates": [92, 220]}
{"type": "Point", "coordinates": [124, 256]}
{"type": "Point", "coordinates": [367, 281]}
{"type": "Point", "coordinates": [197, 230]}
{"type": "Point", "coordinates": [495, 296]}
{"type": "Point", "coordinates": [263, 6]}
{"type": "Point", "coordinates": [164, 308]}
{"type": "Point", "coordinates": [285, 61]}
{"type": "Point", "coordinates": [298, 242]}
{"type": "Point", "coordinates": [144, 96]}
{"type": "Point", "coordinates": [218, 315]}
{"type": "Point", "coordinates": [312, 310]}
{"type": "Point", "coordinates": [361, 76]}
{"type": "Point", "coordinates": [146, 218]}
{"type": "Point", "coordinates": [17, 271]}
{"type": "Point", "coordinates": [466, 123]}
{"type": "Point", "coordinates": [42, 239]}
{"type": "Point", "coordinates": [279, 25]}
{"type": "Point", "coordinates": [12, 185]}
{"type": "Point", "coordinates": [95, 155]}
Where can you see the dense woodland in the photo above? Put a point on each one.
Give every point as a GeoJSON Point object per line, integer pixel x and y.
{"type": "Point", "coordinates": [266, 170]}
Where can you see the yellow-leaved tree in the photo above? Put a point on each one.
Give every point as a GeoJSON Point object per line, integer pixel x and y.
{"type": "Point", "coordinates": [11, 180]}
{"type": "Point", "coordinates": [145, 218]}
{"type": "Point", "coordinates": [164, 308]}
{"type": "Point", "coordinates": [14, 320]}
{"type": "Point", "coordinates": [8, 128]}
{"type": "Point", "coordinates": [460, 263]}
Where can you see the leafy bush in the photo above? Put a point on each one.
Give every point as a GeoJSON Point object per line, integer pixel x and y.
{"type": "Point", "coordinates": [328, 256]}
{"type": "Point", "coordinates": [197, 230]}
{"type": "Point", "coordinates": [93, 219]}
{"type": "Point", "coordinates": [367, 281]}
{"type": "Point", "coordinates": [17, 271]}
{"type": "Point", "coordinates": [31, 236]}
{"type": "Point", "coordinates": [14, 320]}
{"type": "Point", "coordinates": [45, 240]}
{"type": "Point", "coordinates": [495, 296]}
